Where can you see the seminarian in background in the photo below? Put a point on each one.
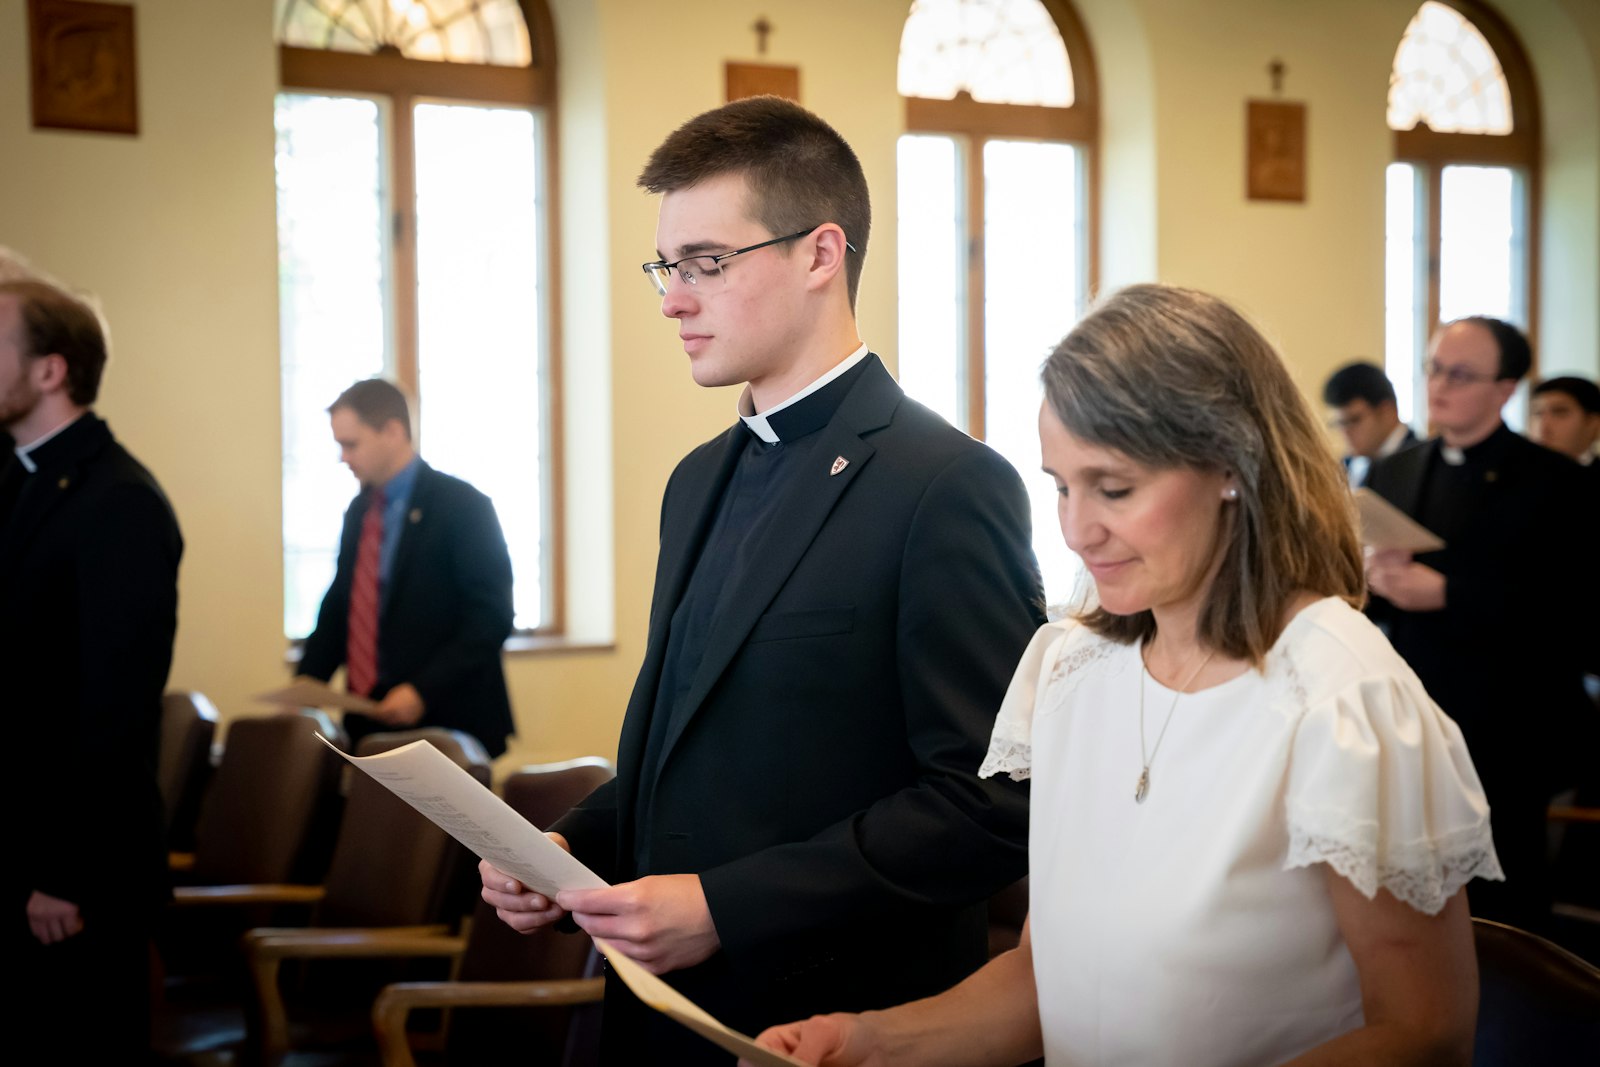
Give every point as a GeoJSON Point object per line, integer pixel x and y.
{"type": "Point", "coordinates": [1363, 402]}
{"type": "Point", "coordinates": [420, 603]}
{"type": "Point", "coordinates": [1488, 622]}
{"type": "Point", "coordinates": [1564, 415]}
{"type": "Point", "coordinates": [89, 551]}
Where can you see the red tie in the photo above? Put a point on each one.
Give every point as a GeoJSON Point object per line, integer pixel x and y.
{"type": "Point", "coordinates": [361, 648]}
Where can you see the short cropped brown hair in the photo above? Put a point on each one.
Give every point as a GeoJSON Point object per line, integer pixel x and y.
{"type": "Point", "coordinates": [56, 323]}
{"type": "Point", "coordinates": [376, 401]}
{"type": "Point", "coordinates": [1176, 378]}
{"type": "Point", "coordinates": [800, 171]}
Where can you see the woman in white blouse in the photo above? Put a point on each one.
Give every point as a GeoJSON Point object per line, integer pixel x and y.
{"type": "Point", "coordinates": [1251, 826]}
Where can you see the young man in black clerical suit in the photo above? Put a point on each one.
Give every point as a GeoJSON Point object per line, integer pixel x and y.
{"type": "Point", "coordinates": [844, 587]}
{"type": "Point", "coordinates": [89, 551]}
{"type": "Point", "coordinates": [420, 602]}
{"type": "Point", "coordinates": [1487, 622]}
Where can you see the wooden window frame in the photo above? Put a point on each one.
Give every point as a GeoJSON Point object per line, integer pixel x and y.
{"type": "Point", "coordinates": [405, 82]}
{"type": "Point", "coordinates": [1430, 152]}
{"type": "Point", "coordinates": [978, 123]}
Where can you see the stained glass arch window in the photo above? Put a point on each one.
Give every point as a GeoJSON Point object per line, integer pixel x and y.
{"type": "Point", "coordinates": [997, 51]}
{"type": "Point", "coordinates": [1447, 76]}
{"type": "Point", "coordinates": [456, 31]}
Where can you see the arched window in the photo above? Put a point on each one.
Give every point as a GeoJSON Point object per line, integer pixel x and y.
{"type": "Point", "coordinates": [1462, 191]}
{"type": "Point", "coordinates": [415, 179]}
{"type": "Point", "coordinates": [996, 220]}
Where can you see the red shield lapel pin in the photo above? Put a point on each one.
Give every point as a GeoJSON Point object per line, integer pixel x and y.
{"type": "Point", "coordinates": [839, 464]}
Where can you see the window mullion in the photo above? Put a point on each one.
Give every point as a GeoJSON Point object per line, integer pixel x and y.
{"type": "Point", "coordinates": [976, 318]}
{"type": "Point", "coordinates": [403, 205]}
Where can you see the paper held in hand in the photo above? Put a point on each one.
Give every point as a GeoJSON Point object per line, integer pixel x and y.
{"type": "Point", "coordinates": [310, 693]}
{"type": "Point", "coordinates": [1384, 526]}
{"type": "Point", "coordinates": [674, 1005]}
{"type": "Point", "coordinates": [454, 801]}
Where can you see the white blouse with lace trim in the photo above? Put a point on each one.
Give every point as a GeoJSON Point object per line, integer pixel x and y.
{"type": "Point", "coordinates": [1196, 928]}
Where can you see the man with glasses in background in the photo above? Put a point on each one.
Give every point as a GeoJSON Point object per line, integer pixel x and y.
{"type": "Point", "coordinates": [844, 587]}
{"type": "Point", "coordinates": [1487, 621]}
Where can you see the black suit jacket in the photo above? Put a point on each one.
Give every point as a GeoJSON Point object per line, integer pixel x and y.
{"type": "Point", "coordinates": [446, 611]}
{"type": "Point", "coordinates": [823, 785]}
{"type": "Point", "coordinates": [88, 609]}
{"type": "Point", "coordinates": [1504, 657]}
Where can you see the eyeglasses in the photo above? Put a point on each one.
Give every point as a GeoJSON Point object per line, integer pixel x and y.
{"type": "Point", "coordinates": [705, 273]}
{"type": "Point", "coordinates": [1454, 376]}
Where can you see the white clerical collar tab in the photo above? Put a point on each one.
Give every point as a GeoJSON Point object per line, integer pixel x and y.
{"type": "Point", "coordinates": [1452, 455]}
{"type": "Point", "coordinates": [758, 422]}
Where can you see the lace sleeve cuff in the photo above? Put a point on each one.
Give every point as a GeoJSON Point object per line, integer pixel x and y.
{"type": "Point", "coordinates": [1014, 758]}
{"type": "Point", "coordinates": [1424, 875]}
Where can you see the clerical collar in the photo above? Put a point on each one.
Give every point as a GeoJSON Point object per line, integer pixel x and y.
{"type": "Point", "coordinates": [25, 452]}
{"type": "Point", "coordinates": [793, 426]}
{"type": "Point", "coordinates": [1486, 452]}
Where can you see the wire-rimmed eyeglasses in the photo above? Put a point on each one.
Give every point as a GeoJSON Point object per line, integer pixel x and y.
{"type": "Point", "coordinates": [705, 272]}
{"type": "Point", "coordinates": [1454, 376]}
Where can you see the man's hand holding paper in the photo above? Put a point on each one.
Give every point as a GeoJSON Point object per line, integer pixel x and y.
{"type": "Point", "coordinates": [661, 921]}
{"type": "Point", "coordinates": [1405, 583]}
{"type": "Point", "coordinates": [524, 910]}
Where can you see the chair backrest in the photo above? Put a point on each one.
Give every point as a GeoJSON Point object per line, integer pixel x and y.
{"type": "Point", "coordinates": [1538, 1004]}
{"type": "Point", "coordinates": [391, 866]}
{"type": "Point", "coordinates": [270, 799]}
{"type": "Point", "coordinates": [183, 763]}
{"type": "Point", "coordinates": [540, 793]}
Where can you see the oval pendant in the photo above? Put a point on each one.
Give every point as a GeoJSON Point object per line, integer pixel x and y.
{"type": "Point", "coordinates": [1142, 790]}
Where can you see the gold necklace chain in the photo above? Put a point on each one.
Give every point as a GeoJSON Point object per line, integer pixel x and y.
{"type": "Point", "coordinates": [1142, 790]}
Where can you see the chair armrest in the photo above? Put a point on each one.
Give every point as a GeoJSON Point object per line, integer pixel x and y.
{"type": "Point", "coordinates": [1572, 813]}
{"type": "Point", "coordinates": [269, 942]}
{"type": "Point", "coordinates": [214, 895]}
{"type": "Point", "coordinates": [398, 1000]}
{"type": "Point", "coordinates": [266, 947]}
{"type": "Point", "coordinates": [180, 861]}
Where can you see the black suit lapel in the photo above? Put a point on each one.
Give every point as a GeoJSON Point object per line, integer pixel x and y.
{"type": "Point", "coordinates": [1409, 469]}
{"type": "Point", "coordinates": [809, 499]}
{"type": "Point", "coordinates": [684, 531]}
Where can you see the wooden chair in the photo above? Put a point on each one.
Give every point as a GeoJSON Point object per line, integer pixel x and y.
{"type": "Point", "coordinates": [262, 844]}
{"type": "Point", "coordinates": [274, 789]}
{"type": "Point", "coordinates": [1538, 1004]}
{"type": "Point", "coordinates": [395, 885]}
{"type": "Point", "coordinates": [543, 976]}
{"type": "Point", "coordinates": [183, 763]}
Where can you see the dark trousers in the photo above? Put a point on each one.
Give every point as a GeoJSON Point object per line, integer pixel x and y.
{"type": "Point", "coordinates": [85, 1000]}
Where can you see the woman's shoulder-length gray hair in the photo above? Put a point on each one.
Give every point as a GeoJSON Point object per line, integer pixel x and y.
{"type": "Point", "coordinates": [1173, 377]}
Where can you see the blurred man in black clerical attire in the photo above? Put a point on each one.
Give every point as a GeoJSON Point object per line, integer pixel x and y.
{"type": "Point", "coordinates": [1487, 621]}
{"type": "Point", "coordinates": [89, 551]}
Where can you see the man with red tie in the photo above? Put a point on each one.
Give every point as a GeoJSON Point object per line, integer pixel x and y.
{"type": "Point", "coordinates": [421, 600]}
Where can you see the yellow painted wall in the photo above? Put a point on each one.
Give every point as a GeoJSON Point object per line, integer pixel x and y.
{"type": "Point", "coordinates": [174, 230]}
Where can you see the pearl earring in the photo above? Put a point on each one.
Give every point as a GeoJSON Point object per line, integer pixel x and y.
{"type": "Point", "coordinates": [1231, 493]}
